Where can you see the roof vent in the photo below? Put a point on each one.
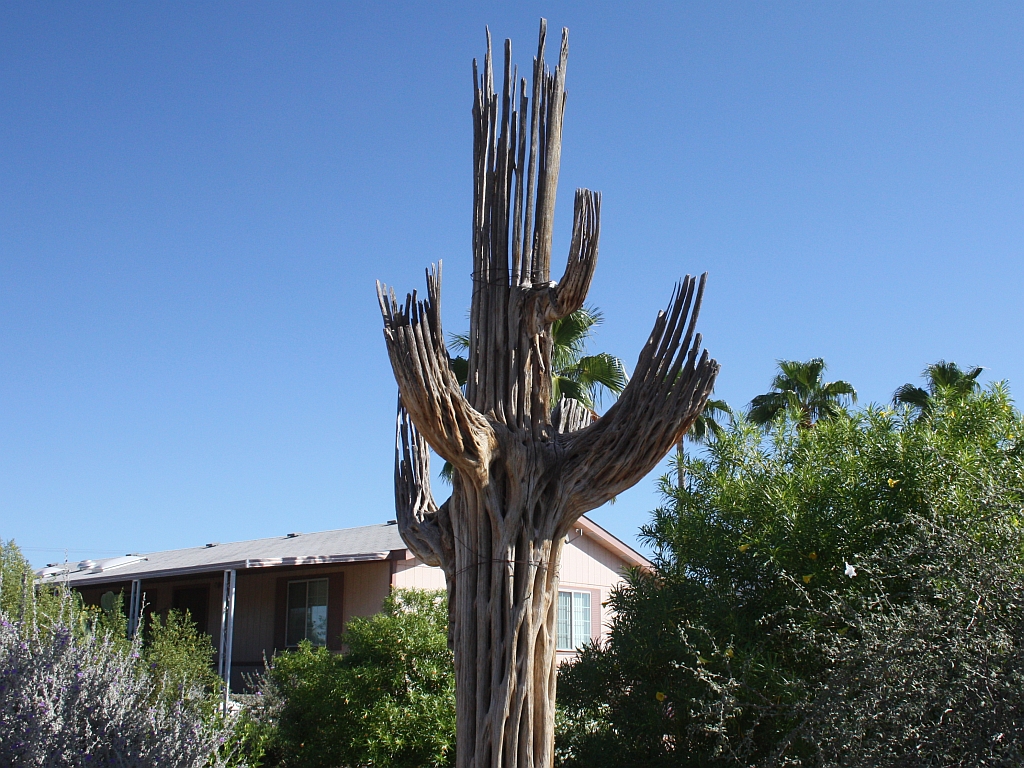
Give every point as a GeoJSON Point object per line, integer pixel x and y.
{"type": "Point", "coordinates": [52, 565]}
{"type": "Point", "coordinates": [293, 535]}
{"type": "Point", "coordinates": [212, 544]}
{"type": "Point", "coordinates": [391, 522]}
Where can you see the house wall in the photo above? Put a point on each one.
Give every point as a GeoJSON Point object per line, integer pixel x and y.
{"type": "Point", "coordinates": [415, 574]}
{"type": "Point", "coordinates": [588, 565]}
{"type": "Point", "coordinates": [354, 589]}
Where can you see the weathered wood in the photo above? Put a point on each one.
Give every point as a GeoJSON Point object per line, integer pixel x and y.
{"type": "Point", "coordinates": [523, 472]}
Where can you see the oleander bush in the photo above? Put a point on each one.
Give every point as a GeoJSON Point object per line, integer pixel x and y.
{"type": "Point", "coordinates": [845, 594]}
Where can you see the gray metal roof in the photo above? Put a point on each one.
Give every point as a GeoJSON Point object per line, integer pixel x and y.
{"type": "Point", "coordinates": [346, 545]}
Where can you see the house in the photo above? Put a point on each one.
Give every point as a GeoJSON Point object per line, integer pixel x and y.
{"type": "Point", "coordinates": [257, 597]}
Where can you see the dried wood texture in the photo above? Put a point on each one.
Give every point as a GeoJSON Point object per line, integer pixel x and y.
{"type": "Point", "coordinates": [524, 472]}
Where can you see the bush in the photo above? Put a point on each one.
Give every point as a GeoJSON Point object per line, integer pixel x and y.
{"type": "Point", "coordinates": [847, 594]}
{"type": "Point", "coordinates": [179, 657]}
{"type": "Point", "coordinates": [74, 689]}
{"type": "Point", "coordinates": [74, 699]}
{"type": "Point", "coordinates": [389, 701]}
{"type": "Point", "coordinates": [18, 596]}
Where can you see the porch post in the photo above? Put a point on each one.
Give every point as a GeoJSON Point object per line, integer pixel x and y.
{"type": "Point", "coordinates": [227, 633]}
{"type": "Point", "coordinates": [134, 607]}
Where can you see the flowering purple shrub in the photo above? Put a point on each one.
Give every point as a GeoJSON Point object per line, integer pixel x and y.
{"type": "Point", "coordinates": [74, 699]}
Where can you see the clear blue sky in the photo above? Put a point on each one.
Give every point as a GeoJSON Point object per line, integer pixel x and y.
{"type": "Point", "coordinates": [195, 200]}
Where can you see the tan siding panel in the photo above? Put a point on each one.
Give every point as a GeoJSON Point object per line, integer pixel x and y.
{"type": "Point", "coordinates": [414, 574]}
{"type": "Point", "coordinates": [254, 616]}
{"type": "Point", "coordinates": [584, 561]}
{"type": "Point", "coordinates": [366, 586]}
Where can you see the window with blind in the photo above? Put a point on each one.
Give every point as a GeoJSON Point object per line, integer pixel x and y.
{"type": "Point", "coordinates": [307, 612]}
{"type": "Point", "coordinates": [573, 620]}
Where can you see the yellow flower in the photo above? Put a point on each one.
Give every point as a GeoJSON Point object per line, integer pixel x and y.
{"type": "Point", "coordinates": [892, 483]}
{"type": "Point", "coordinates": [807, 578]}
{"type": "Point", "coordinates": [744, 547]}
{"type": "Point", "coordinates": [813, 556]}
{"type": "Point", "coordinates": [660, 696]}
{"type": "Point", "coordinates": [702, 660]}
{"type": "Point", "coordinates": [729, 652]}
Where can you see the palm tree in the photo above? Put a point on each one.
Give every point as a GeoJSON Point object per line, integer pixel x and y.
{"type": "Point", "coordinates": [701, 432]}
{"type": "Point", "coordinates": [799, 386]}
{"type": "Point", "coordinates": [939, 376]}
{"type": "Point", "coordinates": [578, 376]}
{"type": "Point", "coordinates": [574, 374]}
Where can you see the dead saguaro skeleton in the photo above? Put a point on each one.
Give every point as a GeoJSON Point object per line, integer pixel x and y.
{"type": "Point", "coordinates": [523, 472]}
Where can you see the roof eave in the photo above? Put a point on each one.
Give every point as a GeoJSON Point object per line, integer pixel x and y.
{"type": "Point", "coordinates": [228, 565]}
{"type": "Point", "coordinates": [610, 542]}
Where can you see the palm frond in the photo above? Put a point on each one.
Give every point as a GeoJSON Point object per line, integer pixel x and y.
{"type": "Point", "coordinates": [717, 408]}
{"type": "Point", "coordinates": [837, 390]}
{"type": "Point", "coordinates": [569, 337]}
{"type": "Point", "coordinates": [800, 377]}
{"type": "Point", "coordinates": [599, 373]}
{"type": "Point", "coordinates": [460, 367]}
{"type": "Point", "coordinates": [908, 394]}
{"type": "Point", "coordinates": [458, 341]}
{"type": "Point", "coordinates": [974, 373]}
{"type": "Point", "coordinates": [949, 375]}
{"type": "Point", "coordinates": [765, 408]}
{"type": "Point", "coordinates": [574, 328]}
{"type": "Point", "coordinates": [942, 374]}
{"type": "Point", "coordinates": [564, 358]}
{"type": "Point", "coordinates": [563, 386]}
{"type": "Point", "coordinates": [706, 425]}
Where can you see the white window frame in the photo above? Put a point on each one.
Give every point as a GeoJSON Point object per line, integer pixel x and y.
{"type": "Point", "coordinates": [292, 642]}
{"type": "Point", "coordinates": [582, 623]}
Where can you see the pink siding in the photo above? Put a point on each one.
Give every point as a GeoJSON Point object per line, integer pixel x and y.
{"type": "Point", "coordinates": [414, 574]}
{"type": "Point", "coordinates": [589, 565]}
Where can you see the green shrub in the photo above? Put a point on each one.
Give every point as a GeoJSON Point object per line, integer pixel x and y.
{"type": "Point", "coordinates": [178, 656]}
{"type": "Point", "coordinates": [19, 598]}
{"type": "Point", "coordinates": [847, 594]}
{"type": "Point", "coordinates": [389, 701]}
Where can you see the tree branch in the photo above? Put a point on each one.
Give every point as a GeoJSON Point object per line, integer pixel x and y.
{"type": "Point", "coordinates": [426, 384]}
{"type": "Point", "coordinates": [665, 396]}
{"type": "Point", "coordinates": [571, 291]}
{"type": "Point", "coordinates": [426, 529]}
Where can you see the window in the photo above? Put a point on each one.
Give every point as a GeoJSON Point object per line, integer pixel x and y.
{"type": "Point", "coordinates": [307, 612]}
{"type": "Point", "coordinates": [573, 620]}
